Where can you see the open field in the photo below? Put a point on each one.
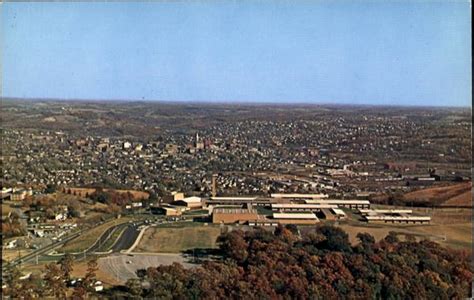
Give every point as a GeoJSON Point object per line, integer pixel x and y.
{"type": "Point", "coordinates": [88, 238]}
{"type": "Point", "coordinates": [136, 194]}
{"type": "Point", "coordinates": [457, 235]}
{"type": "Point", "coordinates": [457, 194]}
{"type": "Point", "coordinates": [451, 227]}
{"type": "Point", "coordinates": [86, 192]}
{"type": "Point", "coordinates": [178, 239]}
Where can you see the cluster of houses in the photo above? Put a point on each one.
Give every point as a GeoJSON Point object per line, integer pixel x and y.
{"type": "Point", "coordinates": [15, 194]}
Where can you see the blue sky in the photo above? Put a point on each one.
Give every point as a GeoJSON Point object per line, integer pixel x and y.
{"type": "Point", "coordinates": [401, 53]}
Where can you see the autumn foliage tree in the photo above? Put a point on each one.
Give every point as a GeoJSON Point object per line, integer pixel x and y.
{"type": "Point", "coordinates": [54, 280]}
{"type": "Point", "coordinates": [322, 264]}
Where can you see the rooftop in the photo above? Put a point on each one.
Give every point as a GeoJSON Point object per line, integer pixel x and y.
{"type": "Point", "coordinates": [305, 216]}
{"type": "Point", "coordinates": [221, 210]}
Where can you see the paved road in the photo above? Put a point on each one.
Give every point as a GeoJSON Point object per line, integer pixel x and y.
{"type": "Point", "coordinates": [44, 250]}
{"type": "Point", "coordinates": [127, 238]}
{"type": "Point", "coordinates": [105, 237]}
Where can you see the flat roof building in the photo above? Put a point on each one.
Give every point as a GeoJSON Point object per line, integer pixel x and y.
{"type": "Point", "coordinates": [238, 201]}
{"type": "Point", "coordinates": [190, 202]}
{"type": "Point", "coordinates": [296, 218]}
{"type": "Point", "coordinates": [234, 215]}
{"type": "Point", "coordinates": [398, 219]}
{"type": "Point", "coordinates": [342, 203]}
{"type": "Point", "coordinates": [385, 211]}
{"type": "Point", "coordinates": [393, 216]}
{"type": "Point", "coordinates": [167, 211]}
{"type": "Point", "coordinates": [300, 207]}
{"type": "Point", "coordinates": [339, 213]}
{"type": "Point", "coordinates": [300, 196]}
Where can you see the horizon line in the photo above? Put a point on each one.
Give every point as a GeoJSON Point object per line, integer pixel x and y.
{"type": "Point", "coordinates": [237, 102]}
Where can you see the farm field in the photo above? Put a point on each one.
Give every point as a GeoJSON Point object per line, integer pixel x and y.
{"type": "Point", "coordinates": [178, 239]}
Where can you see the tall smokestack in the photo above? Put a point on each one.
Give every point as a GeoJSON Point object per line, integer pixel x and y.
{"type": "Point", "coordinates": [214, 185]}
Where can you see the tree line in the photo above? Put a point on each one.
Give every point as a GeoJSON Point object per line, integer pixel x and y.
{"type": "Point", "coordinates": [321, 264]}
{"type": "Point", "coordinates": [284, 264]}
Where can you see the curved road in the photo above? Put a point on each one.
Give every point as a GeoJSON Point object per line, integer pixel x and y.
{"type": "Point", "coordinates": [126, 239]}
{"type": "Point", "coordinates": [122, 242]}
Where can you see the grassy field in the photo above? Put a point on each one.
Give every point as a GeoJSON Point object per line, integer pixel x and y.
{"type": "Point", "coordinates": [457, 235]}
{"type": "Point", "coordinates": [177, 239]}
{"type": "Point", "coordinates": [88, 238]}
{"type": "Point", "coordinates": [451, 227]}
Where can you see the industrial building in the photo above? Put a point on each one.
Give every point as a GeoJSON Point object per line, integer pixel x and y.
{"type": "Point", "coordinates": [305, 218]}
{"type": "Point", "coordinates": [190, 202]}
{"type": "Point", "coordinates": [366, 212]}
{"type": "Point", "coordinates": [393, 216]}
{"type": "Point", "coordinates": [352, 204]}
{"type": "Point", "coordinates": [167, 210]}
{"type": "Point", "coordinates": [174, 196]}
{"type": "Point", "coordinates": [300, 196]}
{"type": "Point", "coordinates": [238, 201]}
{"type": "Point", "coordinates": [234, 215]}
{"type": "Point", "coordinates": [301, 207]}
{"type": "Point", "coordinates": [332, 214]}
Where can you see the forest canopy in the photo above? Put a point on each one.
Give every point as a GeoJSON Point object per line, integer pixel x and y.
{"type": "Point", "coordinates": [321, 264]}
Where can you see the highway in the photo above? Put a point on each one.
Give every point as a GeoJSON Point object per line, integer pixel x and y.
{"type": "Point", "coordinates": [45, 249]}
{"type": "Point", "coordinates": [125, 241]}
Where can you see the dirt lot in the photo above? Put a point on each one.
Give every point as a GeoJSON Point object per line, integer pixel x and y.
{"type": "Point", "coordinates": [174, 240]}
{"type": "Point", "coordinates": [121, 267]}
{"type": "Point", "coordinates": [8, 254]}
{"type": "Point", "coordinates": [79, 270]}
